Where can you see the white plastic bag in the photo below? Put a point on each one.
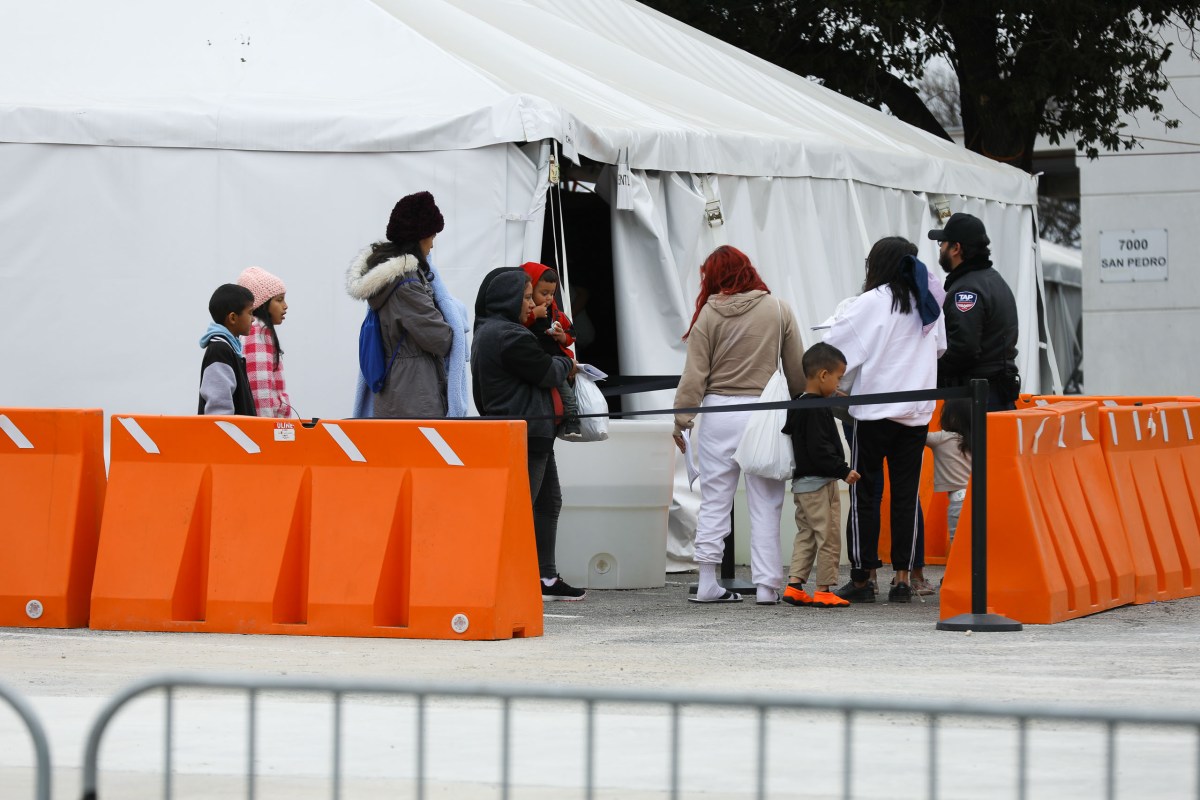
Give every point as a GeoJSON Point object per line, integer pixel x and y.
{"type": "Point", "coordinates": [764, 449]}
{"type": "Point", "coordinates": [589, 400]}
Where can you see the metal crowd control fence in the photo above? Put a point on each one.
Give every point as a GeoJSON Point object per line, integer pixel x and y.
{"type": "Point", "coordinates": [762, 718]}
{"type": "Point", "coordinates": [37, 735]}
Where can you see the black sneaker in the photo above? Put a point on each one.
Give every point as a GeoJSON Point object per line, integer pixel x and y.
{"type": "Point", "coordinates": [560, 590]}
{"type": "Point", "coordinates": [856, 594]}
{"type": "Point", "coordinates": [900, 593]}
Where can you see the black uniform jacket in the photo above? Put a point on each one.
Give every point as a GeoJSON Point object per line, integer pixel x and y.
{"type": "Point", "coordinates": [981, 326]}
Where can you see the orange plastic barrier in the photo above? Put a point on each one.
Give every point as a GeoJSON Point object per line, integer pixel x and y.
{"type": "Point", "coordinates": [51, 496]}
{"type": "Point", "coordinates": [404, 529]}
{"type": "Point", "coordinates": [1039, 400]}
{"type": "Point", "coordinates": [1153, 455]}
{"type": "Point", "coordinates": [1056, 546]}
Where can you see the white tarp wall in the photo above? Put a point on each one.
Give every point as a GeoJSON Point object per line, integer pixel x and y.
{"type": "Point", "coordinates": [109, 255]}
{"type": "Point", "coordinates": [807, 237]}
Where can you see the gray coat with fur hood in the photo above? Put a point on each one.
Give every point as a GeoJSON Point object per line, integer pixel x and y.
{"type": "Point", "coordinates": [410, 320]}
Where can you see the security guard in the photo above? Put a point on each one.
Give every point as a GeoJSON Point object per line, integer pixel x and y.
{"type": "Point", "coordinates": [981, 314]}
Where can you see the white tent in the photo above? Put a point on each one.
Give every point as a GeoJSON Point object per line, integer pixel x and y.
{"type": "Point", "coordinates": [1062, 270]}
{"type": "Point", "coordinates": [150, 150]}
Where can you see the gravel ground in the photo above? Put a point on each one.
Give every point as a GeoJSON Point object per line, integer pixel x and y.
{"type": "Point", "coordinates": [1136, 657]}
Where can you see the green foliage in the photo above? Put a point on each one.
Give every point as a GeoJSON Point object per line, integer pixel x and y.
{"type": "Point", "coordinates": [1065, 69]}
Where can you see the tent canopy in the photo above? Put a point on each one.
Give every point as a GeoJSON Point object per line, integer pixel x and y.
{"type": "Point", "coordinates": [152, 149]}
{"type": "Point", "coordinates": [619, 79]}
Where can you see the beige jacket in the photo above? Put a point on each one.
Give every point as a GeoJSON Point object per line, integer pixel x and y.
{"type": "Point", "coordinates": [733, 349]}
{"type": "Point", "coordinates": [951, 467]}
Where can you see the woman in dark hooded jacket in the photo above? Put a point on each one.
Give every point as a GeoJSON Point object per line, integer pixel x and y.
{"type": "Point", "coordinates": [512, 376]}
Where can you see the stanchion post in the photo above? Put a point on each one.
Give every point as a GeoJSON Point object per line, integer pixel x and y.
{"type": "Point", "coordinates": [979, 619]}
{"type": "Point", "coordinates": [979, 491]}
{"type": "Point", "coordinates": [728, 579]}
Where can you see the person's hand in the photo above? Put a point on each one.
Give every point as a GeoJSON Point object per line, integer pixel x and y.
{"type": "Point", "coordinates": [556, 333]}
{"type": "Point", "coordinates": [853, 477]}
{"type": "Point", "coordinates": [540, 312]}
{"type": "Point", "coordinates": [680, 442]}
{"type": "Point", "coordinates": [574, 369]}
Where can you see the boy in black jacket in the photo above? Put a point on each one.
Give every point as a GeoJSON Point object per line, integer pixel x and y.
{"type": "Point", "coordinates": [820, 462]}
{"type": "Point", "coordinates": [224, 387]}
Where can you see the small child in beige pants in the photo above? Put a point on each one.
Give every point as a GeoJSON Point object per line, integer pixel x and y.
{"type": "Point", "coordinates": [820, 463]}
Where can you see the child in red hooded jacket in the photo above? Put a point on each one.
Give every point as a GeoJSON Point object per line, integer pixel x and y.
{"type": "Point", "coordinates": [556, 335]}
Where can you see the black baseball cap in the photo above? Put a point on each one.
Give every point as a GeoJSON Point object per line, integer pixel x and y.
{"type": "Point", "coordinates": [961, 228]}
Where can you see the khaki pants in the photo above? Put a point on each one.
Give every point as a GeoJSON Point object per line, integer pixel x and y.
{"type": "Point", "coordinates": [818, 516]}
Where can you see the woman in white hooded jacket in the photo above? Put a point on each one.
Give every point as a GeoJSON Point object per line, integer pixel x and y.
{"type": "Point", "coordinates": [893, 334]}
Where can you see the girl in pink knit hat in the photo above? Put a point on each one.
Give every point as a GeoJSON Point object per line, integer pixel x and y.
{"type": "Point", "coordinates": [264, 356]}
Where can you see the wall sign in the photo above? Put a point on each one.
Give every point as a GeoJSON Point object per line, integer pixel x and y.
{"type": "Point", "coordinates": [1133, 256]}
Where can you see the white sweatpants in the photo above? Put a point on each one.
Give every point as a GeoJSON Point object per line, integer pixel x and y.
{"type": "Point", "coordinates": [718, 438]}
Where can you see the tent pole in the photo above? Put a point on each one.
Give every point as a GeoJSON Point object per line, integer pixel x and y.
{"type": "Point", "coordinates": [560, 232]}
{"type": "Point", "coordinates": [1045, 340]}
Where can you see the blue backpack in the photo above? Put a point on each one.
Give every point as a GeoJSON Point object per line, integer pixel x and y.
{"type": "Point", "coordinates": [372, 356]}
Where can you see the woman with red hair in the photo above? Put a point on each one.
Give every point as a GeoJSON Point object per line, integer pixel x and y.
{"type": "Point", "coordinates": [737, 336]}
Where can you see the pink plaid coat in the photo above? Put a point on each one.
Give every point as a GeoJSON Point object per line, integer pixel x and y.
{"type": "Point", "coordinates": [266, 376]}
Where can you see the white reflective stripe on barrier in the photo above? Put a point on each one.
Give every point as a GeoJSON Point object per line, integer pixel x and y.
{"type": "Point", "coordinates": [14, 433]}
{"type": "Point", "coordinates": [1086, 435]}
{"type": "Point", "coordinates": [1137, 425]}
{"type": "Point", "coordinates": [1062, 431]}
{"type": "Point", "coordinates": [343, 441]}
{"type": "Point", "coordinates": [439, 444]}
{"type": "Point", "coordinates": [1188, 422]}
{"type": "Point", "coordinates": [139, 435]}
{"type": "Point", "coordinates": [1042, 402]}
{"type": "Point", "coordinates": [1020, 437]}
{"type": "Point", "coordinates": [1162, 416]}
{"type": "Point", "coordinates": [236, 433]}
{"type": "Point", "coordinates": [1037, 436]}
{"type": "Point", "coordinates": [1112, 424]}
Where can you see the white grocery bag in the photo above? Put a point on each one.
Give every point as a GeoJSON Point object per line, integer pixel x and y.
{"type": "Point", "coordinates": [764, 450]}
{"type": "Point", "coordinates": [589, 400]}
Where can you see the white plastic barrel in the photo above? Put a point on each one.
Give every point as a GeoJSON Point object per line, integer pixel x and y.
{"type": "Point", "coordinates": [612, 533]}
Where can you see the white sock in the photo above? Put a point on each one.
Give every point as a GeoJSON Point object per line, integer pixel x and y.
{"type": "Point", "coordinates": [767, 594]}
{"type": "Point", "coordinates": [708, 588]}
{"type": "Point", "coordinates": [549, 581]}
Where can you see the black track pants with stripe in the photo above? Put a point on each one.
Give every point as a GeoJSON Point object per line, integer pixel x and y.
{"type": "Point", "coordinates": [904, 448]}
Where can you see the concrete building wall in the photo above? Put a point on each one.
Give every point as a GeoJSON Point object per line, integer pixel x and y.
{"type": "Point", "coordinates": [1143, 337]}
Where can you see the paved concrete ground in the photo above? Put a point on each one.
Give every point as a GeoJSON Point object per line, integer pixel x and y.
{"type": "Point", "coordinates": [1133, 657]}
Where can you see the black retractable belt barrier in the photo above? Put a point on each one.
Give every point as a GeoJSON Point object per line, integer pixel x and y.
{"type": "Point", "coordinates": [617, 385]}
{"type": "Point", "coordinates": [979, 619]}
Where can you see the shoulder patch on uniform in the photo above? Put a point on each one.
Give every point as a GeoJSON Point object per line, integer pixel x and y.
{"type": "Point", "coordinates": [965, 301]}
